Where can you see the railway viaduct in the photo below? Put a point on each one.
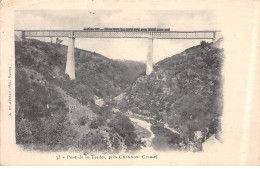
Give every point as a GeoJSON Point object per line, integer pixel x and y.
{"type": "Point", "coordinates": [150, 35]}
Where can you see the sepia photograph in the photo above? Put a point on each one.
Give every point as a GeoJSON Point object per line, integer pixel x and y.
{"type": "Point", "coordinates": [129, 83]}
{"type": "Point", "coordinates": [111, 81]}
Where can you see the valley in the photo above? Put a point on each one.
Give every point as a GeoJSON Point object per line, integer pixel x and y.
{"type": "Point", "coordinates": [112, 105]}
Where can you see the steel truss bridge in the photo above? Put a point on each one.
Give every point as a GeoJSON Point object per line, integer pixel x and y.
{"type": "Point", "coordinates": [121, 34]}
{"type": "Point", "coordinates": [150, 35]}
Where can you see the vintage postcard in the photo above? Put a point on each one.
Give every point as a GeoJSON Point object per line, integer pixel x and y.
{"type": "Point", "coordinates": [130, 83]}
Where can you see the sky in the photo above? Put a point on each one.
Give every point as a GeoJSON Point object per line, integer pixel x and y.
{"type": "Point", "coordinates": [124, 49]}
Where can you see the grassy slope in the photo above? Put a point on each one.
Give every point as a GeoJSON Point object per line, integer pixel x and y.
{"type": "Point", "coordinates": [52, 111]}
{"type": "Point", "coordinates": [95, 74]}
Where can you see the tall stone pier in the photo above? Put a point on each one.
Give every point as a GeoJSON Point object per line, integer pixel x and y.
{"type": "Point", "coordinates": [70, 65]}
{"type": "Point", "coordinates": [149, 61]}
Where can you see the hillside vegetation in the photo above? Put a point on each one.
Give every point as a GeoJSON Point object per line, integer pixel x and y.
{"type": "Point", "coordinates": [54, 113]}
{"type": "Point", "coordinates": [181, 98]}
{"type": "Point", "coordinates": [183, 92]}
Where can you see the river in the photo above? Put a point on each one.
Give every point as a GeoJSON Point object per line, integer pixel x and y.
{"type": "Point", "coordinates": [159, 137]}
{"type": "Point", "coordinates": [147, 126]}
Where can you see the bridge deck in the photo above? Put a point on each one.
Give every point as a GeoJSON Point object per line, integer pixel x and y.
{"type": "Point", "coordinates": [121, 34]}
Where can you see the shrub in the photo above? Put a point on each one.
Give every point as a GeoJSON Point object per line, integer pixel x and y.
{"type": "Point", "coordinates": [93, 141]}
{"type": "Point", "coordinates": [124, 127]}
{"type": "Point", "coordinates": [83, 120]}
{"type": "Point", "coordinates": [203, 44]}
{"type": "Point", "coordinates": [23, 132]}
{"type": "Point", "coordinates": [105, 112]}
{"type": "Point", "coordinates": [32, 77]}
{"type": "Point", "coordinates": [92, 101]}
{"type": "Point", "coordinates": [97, 122]}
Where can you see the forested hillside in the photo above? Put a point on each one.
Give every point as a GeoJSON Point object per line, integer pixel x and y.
{"type": "Point", "coordinates": [58, 113]}
{"type": "Point", "coordinates": [183, 92]}
{"type": "Point", "coordinates": [97, 111]}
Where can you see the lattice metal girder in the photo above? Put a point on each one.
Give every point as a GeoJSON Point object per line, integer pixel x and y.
{"type": "Point", "coordinates": [51, 33]}
{"type": "Point", "coordinates": [122, 34]}
{"type": "Point", "coordinates": [183, 35]}
{"type": "Point", "coordinates": [111, 34]}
